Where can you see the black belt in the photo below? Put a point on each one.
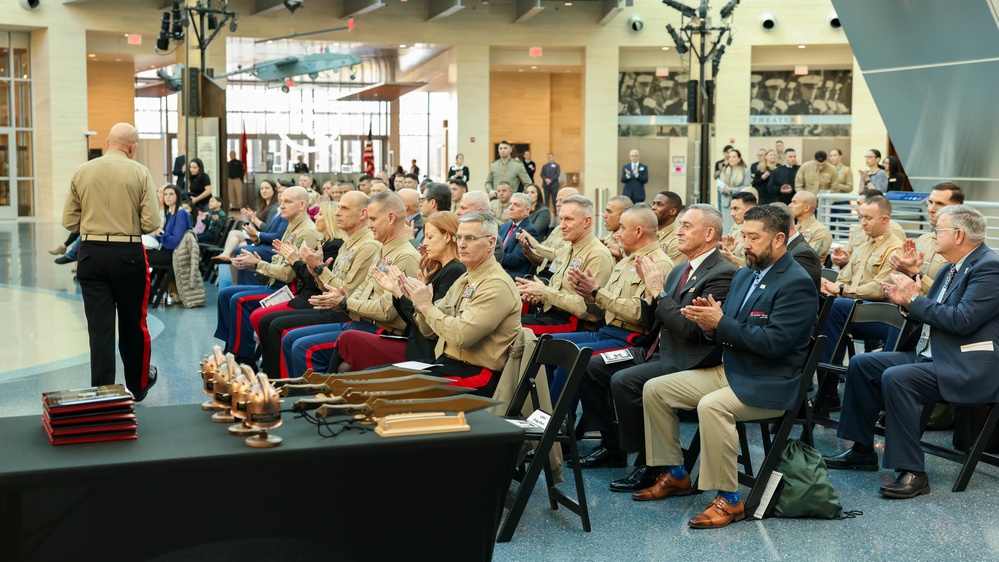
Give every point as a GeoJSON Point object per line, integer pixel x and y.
{"type": "Point", "coordinates": [110, 238]}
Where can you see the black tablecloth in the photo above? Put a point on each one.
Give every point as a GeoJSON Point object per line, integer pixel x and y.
{"type": "Point", "coordinates": [188, 490]}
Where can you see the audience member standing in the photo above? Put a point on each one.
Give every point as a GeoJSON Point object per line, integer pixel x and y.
{"type": "Point", "coordinates": [551, 174]}
{"type": "Point", "coordinates": [112, 202]}
{"type": "Point", "coordinates": [634, 176]}
{"type": "Point", "coordinates": [530, 165]}
{"type": "Point", "coordinates": [506, 169]}
{"type": "Point", "coordinates": [200, 187]}
{"type": "Point", "coordinates": [872, 176]}
{"type": "Point", "coordinates": [236, 173]}
{"type": "Point", "coordinates": [459, 170]}
{"type": "Point", "coordinates": [781, 184]}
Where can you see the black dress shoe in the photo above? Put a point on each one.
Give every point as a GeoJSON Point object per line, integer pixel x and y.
{"type": "Point", "coordinates": [908, 485]}
{"type": "Point", "coordinates": [604, 457]}
{"type": "Point", "coordinates": [638, 479]}
{"type": "Point", "coordinates": [150, 381]}
{"type": "Point", "coordinates": [850, 460]}
{"type": "Point", "coordinates": [63, 260]}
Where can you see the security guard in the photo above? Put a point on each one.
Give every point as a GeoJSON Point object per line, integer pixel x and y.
{"type": "Point", "coordinates": [561, 307]}
{"type": "Point", "coordinates": [479, 318]}
{"type": "Point", "coordinates": [112, 202]}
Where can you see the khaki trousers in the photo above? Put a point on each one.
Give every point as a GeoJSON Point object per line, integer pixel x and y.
{"type": "Point", "coordinates": [235, 193]}
{"type": "Point", "coordinates": [717, 409]}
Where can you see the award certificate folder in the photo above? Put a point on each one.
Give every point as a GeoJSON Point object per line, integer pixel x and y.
{"type": "Point", "coordinates": [87, 399]}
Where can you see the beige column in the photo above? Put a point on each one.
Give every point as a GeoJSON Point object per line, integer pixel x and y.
{"type": "Point", "coordinates": [59, 90]}
{"type": "Point", "coordinates": [470, 132]}
{"type": "Point", "coordinates": [868, 130]}
{"type": "Point", "coordinates": [600, 78]}
{"type": "Point", "coordinates": [732, 104]}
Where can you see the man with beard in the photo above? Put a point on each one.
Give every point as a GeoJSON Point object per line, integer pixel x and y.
{"type": "Point", "coordinates": [763, 328]}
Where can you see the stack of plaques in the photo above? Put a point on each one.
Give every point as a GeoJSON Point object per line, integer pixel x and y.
{"type": "Point", "coordinates": [89, 415]}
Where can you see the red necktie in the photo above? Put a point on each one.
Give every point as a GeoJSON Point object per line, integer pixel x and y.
{"type": "Point", "coordinates": [676, 296]}
{"type": "Point", "coordinates": [509, 234]}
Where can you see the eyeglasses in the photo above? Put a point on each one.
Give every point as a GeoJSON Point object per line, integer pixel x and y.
{"type": "Point", "coordinates": [939, 230]}
{"type": "Point", "coordinates": [468, 238]}
{"type": "Point", "coordinates": [422, 199]}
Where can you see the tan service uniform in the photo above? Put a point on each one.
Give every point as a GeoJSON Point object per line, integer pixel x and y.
{"type": "Point", "coordinates": [862, 276]}
{"type": "Point", "coordinates": [478, 319]}
{"type": "Point", "coordinates": [859, 238]}
{"type": "Point", "coordinates": [932, 262]}
{"type": "Point", "coordinates": [355, 257]}
{"type": "Point", "coordinates": [499, 210]}
{"type": "Point", "coordinates": [817, 236]}
{"type": "Point", "coordinates": [669, 244]}
{"type": "Point", "coordinates": [512, 172]}
{"type": "Point", "coordinates": [615, 246]}
{"type": "Point", "coordinates": [815, 178]}
{"type": "Point", "coordinates": [544, 253]}
{"type": "Point", "coordinates": [588, 254]}
{"type": "Point", "coordinates": [843, 183]}
{"type": "Point", "coordinates": [373, 303]}
{"type": "Point", "coordinates": [301, 229]}
{"type": "Point", "coordinates": [622, 297]}
{"type": "Point", "coordinates": [738, 254]}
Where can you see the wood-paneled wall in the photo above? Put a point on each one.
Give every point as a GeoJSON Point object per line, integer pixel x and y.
{"type": "Point", "coordinates": [111, 98]}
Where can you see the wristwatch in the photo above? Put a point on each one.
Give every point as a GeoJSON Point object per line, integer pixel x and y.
{"type": "Point", "coordinates": [913, 297]}
{"type": "Point", "coordinates": [594, 293]}
{"type": "Point", "coordinates": [841, 287]}
{"type": "Point", "coordinates": [318, 269]}
{"type": "Point", "coordinates": [343, 304]}
{"type": "Point", "coordinates": [662, 295]}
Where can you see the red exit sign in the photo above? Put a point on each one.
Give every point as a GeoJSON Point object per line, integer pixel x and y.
{"type": "Point", "coordinates": [535, 52]}
{"type": "Point", "coordinates": [134, 39]}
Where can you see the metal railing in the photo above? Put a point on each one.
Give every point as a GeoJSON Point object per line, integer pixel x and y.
{"type": "Point", "coordinates": [837, 212]}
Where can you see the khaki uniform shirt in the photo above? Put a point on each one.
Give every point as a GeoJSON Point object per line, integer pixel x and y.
{"type": "Point", "coordinates": [932, 262]}
{"type": "Point", "coordinates": [843, 183]}
{"type": "Point", "coordinates": [815, 178]}
{"type": "Point", "coordinates": [499, 210]}
{"type": "Point", "coordinates": [299, 230]}
{"type": "Point", "coordinates": [545, 252]}
{"type": "Point", "coordinates": [478, 319]}
{"type": "Point", "coordinates": [622, 297]}
{"type": "Point", "coordinates": [817, 236]}
{"type": "Point", "coordinates": [862, 276]}
{"type": "Point", "coordinates": [112, 196]}
{"type": "Point", "coordinates": [669, 244]}
{"type": "Point", "coordinates": [859, 238]}
{"type": "Point", "coordinates": [355, 257]}
{"type": "Point", "coordinates": [373, 303]}
{"type": "Point", "coordinates": [738, 254]}
{"type": "Point", "coordinates": [512, 172]}
{"type": "Point", "coordinates": [588, 254]}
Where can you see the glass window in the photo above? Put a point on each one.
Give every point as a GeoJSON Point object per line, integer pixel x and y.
{"type": "Point", "coordinates": [22, 104]}
{"type": "Point", "coordinates": [5, 103]}
{"type": "Point", "coordinates": [25, 166]}
{"type": "Point", "coordinates": [25, 198]}
{"type": "Point", "coordinates": [22, 62]}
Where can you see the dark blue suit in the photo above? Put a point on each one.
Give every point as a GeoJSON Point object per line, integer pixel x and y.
{"type": "Point", "coordinates": [903, 382]}
{"type": "Point", "coordinates": [514, 261]}
{"type": "Point", "coordinates": [764, 344]}
{"type": "Point", "coordinates": [264, 248]}
{"type": "Point", "coordinates": [634, 186]}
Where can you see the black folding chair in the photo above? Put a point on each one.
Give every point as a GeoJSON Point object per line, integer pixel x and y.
{"type": "Point", "coordinates": [830, 274]}
{"type": "Point", "coordinates": [830, 374]}
{"type": "Point", "coordinates": [549, 353]}
{"type": "Point", "coordinates": [825, 307]}
{"type": "Point", "coordinates": [772, 446]}
{"type": "Point", "coordinates": [974, 454]}
{"type": "Point", "coordinates": [216, 247]}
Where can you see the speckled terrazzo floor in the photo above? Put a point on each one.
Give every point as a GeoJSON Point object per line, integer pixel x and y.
{"type": "Point", "coordinates": [39, 338]}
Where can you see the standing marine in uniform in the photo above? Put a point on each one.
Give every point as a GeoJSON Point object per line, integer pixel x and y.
{"type": "Point", "coordinates": [111, 203]}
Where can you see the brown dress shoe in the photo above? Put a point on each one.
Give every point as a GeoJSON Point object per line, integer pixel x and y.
{"type": "Point", "coordinates": [666, 485]}
{"type": "Point", "coordinates": [226, 259]}
{"type": "Point", "coordinates": [719, 514]}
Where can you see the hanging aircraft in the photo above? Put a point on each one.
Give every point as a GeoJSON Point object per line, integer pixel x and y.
{"type": "Point", "coordinates": [279, 70]}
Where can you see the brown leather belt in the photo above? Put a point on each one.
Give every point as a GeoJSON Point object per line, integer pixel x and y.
{"type": "Point", "coordinates": [110, 238]}
{"type": "Point", "coordinates": [627, 326]}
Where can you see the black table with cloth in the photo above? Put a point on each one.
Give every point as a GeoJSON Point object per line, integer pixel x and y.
{"type": "Point", "coordinates": [186, 490]}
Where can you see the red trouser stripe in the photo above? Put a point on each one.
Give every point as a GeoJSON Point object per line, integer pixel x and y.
{"type": "Point", "coordinates": [311, 350]}
{"type": "Point", "coordinates": [539, 329]}
{"type": "Point", "coordinates": [146, 342]}
{"type": "Point", "coordinates": [239, 316]}
{"type": "Point", "coordinates": [474, 381]}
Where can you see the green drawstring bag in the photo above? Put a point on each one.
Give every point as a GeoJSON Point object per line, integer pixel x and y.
{"type": "Point", "coordinates": [806, 491]}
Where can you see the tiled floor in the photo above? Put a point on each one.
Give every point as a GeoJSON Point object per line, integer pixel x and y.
{"type": "Point", "coordinates": [43, 343]}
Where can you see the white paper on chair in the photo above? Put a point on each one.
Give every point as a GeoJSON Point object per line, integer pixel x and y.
{"type": "Point", "coordinates": [768, 494]}
{"type": "Point", "coordinates": [281, 295]}
{"type": "Point", "coordinates": [616, 356]}
{"type": "Point", "coordinates": [537, 420]}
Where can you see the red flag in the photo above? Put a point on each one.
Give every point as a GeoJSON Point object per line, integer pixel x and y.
{"type": "Point", "coordinates": [369, 155]}
{"type": "Point", "coordinates": [243, 149]}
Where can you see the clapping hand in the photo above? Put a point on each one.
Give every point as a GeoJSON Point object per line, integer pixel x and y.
{"type": "Point", "coordinates": [705, 312]}
{"type": "Point", "coordinates": [908, 260]}
{"type": "Point", "coordinates": [287, 251]}
{"type": "Point", "coordinates": [419, 292]}
{"type": "Point", "coordinates": [650, 274]}
{"type": "Point", "coordinates": [330, 299]}
{"type": "Point", "coordinates": [313, 258]}
{"type": "Point", "coordinates": [245, 260]}
{"type": "Point", "coordinates": [389, 280]}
